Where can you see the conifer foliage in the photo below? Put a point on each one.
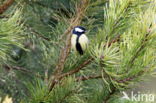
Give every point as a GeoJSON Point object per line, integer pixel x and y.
{"type": "Point", "coordinates": [37, 64]}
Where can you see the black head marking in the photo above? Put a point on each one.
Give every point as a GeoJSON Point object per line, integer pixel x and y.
{"type": "Point", "coordinates": [78, 30]}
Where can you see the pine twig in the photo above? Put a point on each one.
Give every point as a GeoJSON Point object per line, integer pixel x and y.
{"type": "Point", "coordinates": [65, 51]}
{"type": "Point", "coordinates": [22, 70]}
{"type": "Point", "coordinates": [116, 39]}
{"type": "Point", "coordinates": [37, 33]}
{"type": "Point", "coordinates": [143, 44]}
{"type": "Point", "coordinates": [71, 72]}
{"type": "Point", "coordinates": [6, 5]}
{"type": "Point", "coordinates": [83, 78]}
{"type": "Point", "coordinates": [88, 61]}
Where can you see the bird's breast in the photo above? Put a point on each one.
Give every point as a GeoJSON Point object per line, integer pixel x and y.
{"type": "Point", "coordinates": [73, 41]}
{"type": "Point", "coordinates": [83, 40]}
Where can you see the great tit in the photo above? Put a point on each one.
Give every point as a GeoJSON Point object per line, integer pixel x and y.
{"type": "Point", "coordinates": [79, 40]}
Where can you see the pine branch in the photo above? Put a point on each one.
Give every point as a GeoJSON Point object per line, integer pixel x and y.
{"type": "Point", "coordinates": [84, 64]}
{"type": "Point", "coordinates": [128, 79]}
{"type": "Point", "coordinates": [143, 44]}
{"type": "Point", "coordinates": [88, 61]}
{"type": "Point", "coordinates": [76, 21]}
{"type": "Point", "coordinates": [80, 11]}
{"type": "Point", "coordinates": [59, 77]}
{"type": "Point", "coordinates": [83, 78]}
{"type": "Point", "coordinates": [116, 39]}
{"type": "Point", "coordinates": [37, 33]}
{"type": "Point", "coordinates": [21, 69]}
{"type": "Point", "coordinates": [6, 5]}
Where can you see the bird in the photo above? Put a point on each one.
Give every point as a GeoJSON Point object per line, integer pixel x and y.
{"type": "Point", "coordinates": [79, 41]}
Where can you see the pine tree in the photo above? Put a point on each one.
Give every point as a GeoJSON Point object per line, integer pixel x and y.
{"type": "Point", "coordinates": [38, 65]}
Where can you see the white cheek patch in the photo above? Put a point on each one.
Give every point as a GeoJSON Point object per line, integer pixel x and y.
{"type": "Point", "coordinates": [78, 30]}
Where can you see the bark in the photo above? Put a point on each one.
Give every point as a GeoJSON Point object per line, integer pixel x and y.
{"type": "Point", "coordinates": [6, 5]}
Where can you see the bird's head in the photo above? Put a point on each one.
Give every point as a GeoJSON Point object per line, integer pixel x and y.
{"type": "Point", "coordinates": [78, 30]}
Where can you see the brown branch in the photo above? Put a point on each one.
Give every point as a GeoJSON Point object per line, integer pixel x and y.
{"type": "Point", "coordinates": [84, 64]}
{"type": "Point", "coordinates": [70, 72]}
{"type": "Point", "coordinates": [21, 69]}
{"type": "Point", "coordinates": [143, 44]}
{"type": "Point", "coordinates": [37, 33]}
{"type": "Point", "coordinates": [65, 51]}
{"type": "Point", "coordinates": [116, 39]}
{"type": "Point", "coordinates": [88, 61]}
{"type": "Point", "coordinates": [83, 78]}
{"type": "Point", "coordinates": [6, 5]}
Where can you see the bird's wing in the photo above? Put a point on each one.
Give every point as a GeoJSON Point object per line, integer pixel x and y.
{"type": "Point", "coordinates": [83, 40]}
